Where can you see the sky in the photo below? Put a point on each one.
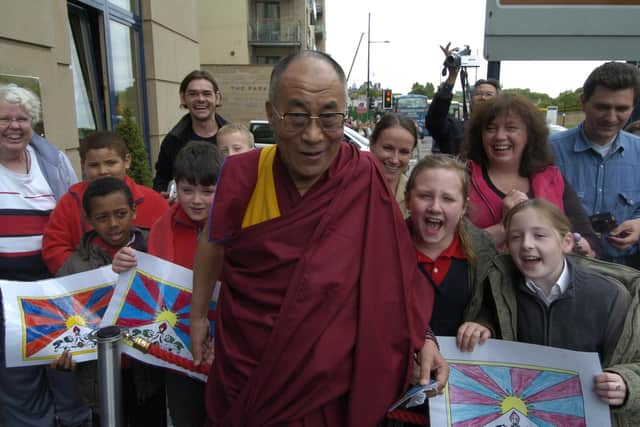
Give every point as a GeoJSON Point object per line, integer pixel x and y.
{"type": "Point", "coordinates": [415, 30]}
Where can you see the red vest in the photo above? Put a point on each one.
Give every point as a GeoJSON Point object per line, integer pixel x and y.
{"type": "Point", "coordinates": [486, 206]}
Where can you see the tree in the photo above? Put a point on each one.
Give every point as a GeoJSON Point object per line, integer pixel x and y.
{"type": "Point", "coordinates": [541, 100]}
{"type": "Point", "coordinates": [569, 100]}
{"type": "Point", "coordinates": [128, 130]}
{"type": "Point", "coordinates": [427, 90]}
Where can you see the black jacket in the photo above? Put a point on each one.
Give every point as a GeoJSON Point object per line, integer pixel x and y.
{"type": "Point", "coordinates": [447, 132]}
{"type": "Point", "coordinates": [177, 138]}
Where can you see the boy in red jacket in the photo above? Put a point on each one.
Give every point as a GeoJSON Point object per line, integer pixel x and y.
{"type": "Point", "coordinates": [102, 154]}
{"type": "Point", "coordinates": [174, 237]}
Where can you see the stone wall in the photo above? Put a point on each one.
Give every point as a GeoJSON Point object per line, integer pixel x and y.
{"type": "Point", "coordinates": [244, 90]}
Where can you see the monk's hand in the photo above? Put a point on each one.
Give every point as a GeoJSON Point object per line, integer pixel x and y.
{"type": "Point", "coordinates": [200, 340]}
{"type": "Point", "coordinates": [125, 259]}
{"type": "Point", "coordinates": [610, 388]}
{"type": "Point", "coordinates": [470, 334]}
{"type": "Point", "coordinates": [430, 360]}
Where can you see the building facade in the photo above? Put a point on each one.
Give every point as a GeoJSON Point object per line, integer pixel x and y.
{"type": "Point", "coordinates": [241, 40]}
{"type": "Point", "coordinates": [90, 59]}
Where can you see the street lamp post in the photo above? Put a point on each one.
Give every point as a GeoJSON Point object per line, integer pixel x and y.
{"type": "Point", "coordinates": [369, 42]}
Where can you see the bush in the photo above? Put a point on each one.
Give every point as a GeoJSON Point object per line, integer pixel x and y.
{"type": "Point", "coordinates": [128, 130]}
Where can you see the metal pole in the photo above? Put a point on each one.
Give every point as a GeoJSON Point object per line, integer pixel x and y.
{"type": "Point", "coordinates": [354, 56]}
{"type": "Point", "coordinates": [109, 376]}
{"type": "Point", "coordinates": [493, 70]}
{"type": "Point", "coordinates": [368, 61]}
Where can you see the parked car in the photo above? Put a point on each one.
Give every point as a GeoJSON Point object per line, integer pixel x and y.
{"type": "Point", "coordinates": [263, 135]}
{"type": "Point", "coordinates": [555, 128]}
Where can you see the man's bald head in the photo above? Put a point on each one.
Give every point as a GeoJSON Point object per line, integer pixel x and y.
{"type": "Point", "coordinates": [281, 67]}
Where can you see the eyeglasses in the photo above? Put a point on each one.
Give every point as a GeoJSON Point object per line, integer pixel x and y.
{"type": "Point", "coordinates": [21, 121]}
{"type": "Point", "coordinates": [298, 121]}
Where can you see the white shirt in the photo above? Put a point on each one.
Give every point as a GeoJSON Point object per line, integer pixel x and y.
{"type": "Point", "coordinates": [21, 197]}
{"type": "Point", "coordinates": [556, 290]}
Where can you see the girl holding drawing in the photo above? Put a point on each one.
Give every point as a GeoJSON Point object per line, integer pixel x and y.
{"type": "Point", "coordinates": [542, 294]}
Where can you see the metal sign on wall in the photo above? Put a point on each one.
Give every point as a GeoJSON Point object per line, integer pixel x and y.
{"type": "Point", "coordinates": [562, 29]}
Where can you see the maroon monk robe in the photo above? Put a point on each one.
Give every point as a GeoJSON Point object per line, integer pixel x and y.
{"type": "Point", "coordinates": [322, 308]}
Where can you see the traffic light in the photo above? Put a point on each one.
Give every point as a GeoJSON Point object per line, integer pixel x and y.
{"type": "Point", "coordinates": [387, 99]}
{"type": "Point", "coordinates": [372, 104]}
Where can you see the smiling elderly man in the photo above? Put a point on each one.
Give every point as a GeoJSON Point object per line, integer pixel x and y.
{"type": "Point", "coordinates": [322, 306]}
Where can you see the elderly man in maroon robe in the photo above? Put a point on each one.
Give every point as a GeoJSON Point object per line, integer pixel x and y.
{"type": "Point", "coordinates": [322, 310]}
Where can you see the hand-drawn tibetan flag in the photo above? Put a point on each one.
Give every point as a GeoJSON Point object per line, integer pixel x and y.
{"type": "Point", "coordinates": [506, 383]}
{"type": "Point", "coordinates": [153, 301]}
{"type": "Point", "coordinates": [44, 318]}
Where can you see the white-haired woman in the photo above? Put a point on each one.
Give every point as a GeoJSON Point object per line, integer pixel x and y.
{"type": "Point", "coordinates": [33, 176]}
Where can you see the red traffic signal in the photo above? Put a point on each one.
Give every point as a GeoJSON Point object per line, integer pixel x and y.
{"type": "Point", "coordinates": [387, 99]}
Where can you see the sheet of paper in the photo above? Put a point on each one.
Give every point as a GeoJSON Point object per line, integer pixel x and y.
{"type": "Point", "coordinates": [153, 301]}
{"type": "Point", "coordinates": [46, 317]}
{"type": "Point", "coordinates": [504, 384]}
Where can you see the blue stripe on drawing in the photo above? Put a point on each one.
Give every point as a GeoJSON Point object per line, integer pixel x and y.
{"type": "Point", "coordinates": [461, 380]}
{"type": "Point", "coordinates": [35, 332]}
{"type": "Point", "coordinates": [131, 312]}
{"type": "Point", "coordinates": [184, 310]}
{"type": "Point", "coordinates": [501, 375]}
{"type": "Point", "coordinates": [64, 304]}
{"type": "Point", "coordinates": [168, 294]}
{"type": "Point", "coordinates": [463, 412]}
{"type": "Point", "coordinates": [97, 295]}
{"type": "Point", "coordinates": [567, 406]}
{"type": "Point", "coordinates": [543, 381]}
{"type": "Point", "coordinates": [96, 316]}
{"type": "Point", "coordinates": [540, 422]}
{"type": "Point", "coordinates": [39, 311]}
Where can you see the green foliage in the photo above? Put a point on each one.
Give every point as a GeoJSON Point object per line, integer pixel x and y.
{"type": "Point", "coordinates": [569, 100]}
{"type": "Point", "coordinates": [542, 100]}
{"type": "Point", "coordinates": [129, 130]}
{"type": "Point", "coordinates": [427, 90]}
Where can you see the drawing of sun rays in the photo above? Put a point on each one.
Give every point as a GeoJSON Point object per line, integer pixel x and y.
{"type": "Point", "coordinates": [151, 301]}
{"type": "Point", "coordinates": [46, 319]}
{"type": "Point", "coordinates": [491, 394]}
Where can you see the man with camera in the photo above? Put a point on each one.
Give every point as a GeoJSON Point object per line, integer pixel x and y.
{"type": "Point", "coordinates": [601, 161]}
{"type": "Point", "coordinates": [448, 132]}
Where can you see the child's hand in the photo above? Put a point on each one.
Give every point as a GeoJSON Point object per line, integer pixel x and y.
{"type": "Point", "coordinates": [124, 260]}
{"type": "Point", "coordinates": [64, 362]}
{"type": "Point", "coordinates": [470, 334]}
{"type": "Point", "coordinates": [610, 388]}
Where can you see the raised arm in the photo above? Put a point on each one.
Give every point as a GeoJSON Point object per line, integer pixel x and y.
{"type": "Point", "coordinates": [207, 267]}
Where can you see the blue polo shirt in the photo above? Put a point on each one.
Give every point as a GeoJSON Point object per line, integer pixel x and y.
{"type": "Point", "coordinates": [609, 184]}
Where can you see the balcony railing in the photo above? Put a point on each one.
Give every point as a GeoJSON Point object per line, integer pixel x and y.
{"type": "Point", "coordinates": [269, 31]}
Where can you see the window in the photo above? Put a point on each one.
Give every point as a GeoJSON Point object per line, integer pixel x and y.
{"type": "Point", "coordinates": [106, 62]}
{"type": "Point", "coordinates": [268, 21]}
{"type": "Point", "coordinates": [267, 59]}
{"type": "Point", "coordinates": [126, 84]}
{"type": "Point", "coordinates": [85, 69]}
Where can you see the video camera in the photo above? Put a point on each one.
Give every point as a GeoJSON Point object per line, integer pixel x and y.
{"type": "Point", "coordinates": [456, 58]}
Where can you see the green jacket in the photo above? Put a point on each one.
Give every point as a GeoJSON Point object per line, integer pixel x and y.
{"type": "Point", "coordinates": [484, 250]}
{"type": "Point", "coordinates": [626, 355]}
